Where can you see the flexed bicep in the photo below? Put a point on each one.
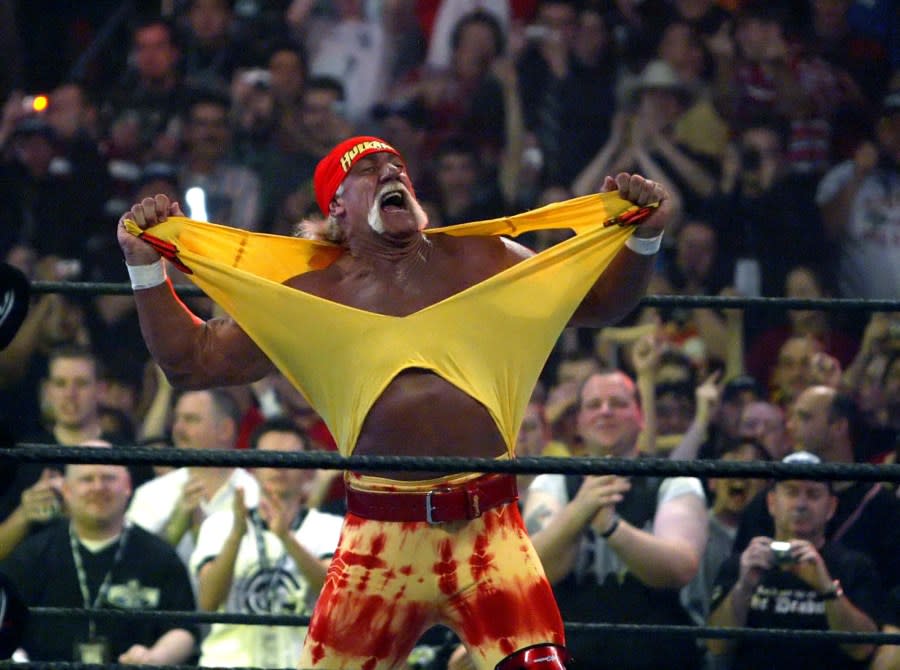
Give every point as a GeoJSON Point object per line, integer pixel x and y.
{"type": "Point", "coordinates": [222, 355]}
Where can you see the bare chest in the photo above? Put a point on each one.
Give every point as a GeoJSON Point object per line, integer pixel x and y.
{"type": "Point", "coordinates": [407, 287]}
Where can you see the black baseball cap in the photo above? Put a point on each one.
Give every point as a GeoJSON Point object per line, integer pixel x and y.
{"type": "Point", "coordinates": [15, 292]}
{"type": "Point", "coordinates": [807, 458]}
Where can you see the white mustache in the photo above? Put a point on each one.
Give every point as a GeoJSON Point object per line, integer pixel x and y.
{"type": "Point", "coordinates": [392, 185]}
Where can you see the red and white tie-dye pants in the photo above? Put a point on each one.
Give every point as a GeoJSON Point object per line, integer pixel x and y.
{"type": "Point", "coordinates": [390, 581]}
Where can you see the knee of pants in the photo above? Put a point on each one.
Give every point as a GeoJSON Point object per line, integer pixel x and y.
{"type": "Point", "coordinates": [537, 657]}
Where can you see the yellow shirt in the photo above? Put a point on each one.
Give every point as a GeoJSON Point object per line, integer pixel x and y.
{"type": "Point", "coordinates": [490, 340]}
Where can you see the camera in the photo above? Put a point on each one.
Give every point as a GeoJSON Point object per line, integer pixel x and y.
{"type": "Point", "coordinates": [781, 551]}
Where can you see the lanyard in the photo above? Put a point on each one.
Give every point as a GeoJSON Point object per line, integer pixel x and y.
{"type": "Point", "coordinates": [82, 575]}
{"type": "Point", "coordinates": [265, 563]}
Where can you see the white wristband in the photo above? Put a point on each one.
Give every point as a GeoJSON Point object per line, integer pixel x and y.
{"type": "Point", "coordinates": [147, 276]}
{"type": "Point", "coordinates": [645, 246]}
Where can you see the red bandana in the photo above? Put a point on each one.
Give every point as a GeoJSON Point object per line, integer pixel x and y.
{"type": "Point", "coordinates": [332, 169]}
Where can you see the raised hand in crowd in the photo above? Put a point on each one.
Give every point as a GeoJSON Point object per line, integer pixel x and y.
{"type": "Point", "coordinates": [277, 515]}
{"type": "Point", "coordinates": [188, 513]}
{"type": "Point", "coordinates": [708, 397]}
{"type": "Point", "coordinates": [645, 357]}
{"type": "Point", "coordinates": [43, 500]}
{"type": "Point", "coordinates": [239, 513]}
{"type": "Point", "coordinates": [39, 503]}
{"type": "Point", "coordinates": [824, 370]}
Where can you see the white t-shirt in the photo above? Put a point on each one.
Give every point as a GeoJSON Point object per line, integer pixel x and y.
{"type": "Point", "coordinates": [154, 501]}
{"type": "Point", "coordinates": [356, 54]}
{"type": "Point", "coordinates": [870, 241]}
{"type": "Point", "coordinates": [273, 585]}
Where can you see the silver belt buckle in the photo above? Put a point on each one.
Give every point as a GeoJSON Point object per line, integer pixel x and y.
{"type": "Point", "coordinates": [429, 508]}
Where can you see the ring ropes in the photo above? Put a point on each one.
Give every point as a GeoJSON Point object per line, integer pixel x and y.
{"type": "Point", "coordinates": [38, 453]}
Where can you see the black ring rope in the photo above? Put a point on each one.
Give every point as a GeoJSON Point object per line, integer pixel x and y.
{"type": "Point", "coordinates": [57, 665]}
{"type": "Point", "coordinates": [29, 452]}
{"type": "Point", "coordinates": [40, 453]}
{"type": "Point", "coordinates": [704, 632]}
{"type": "Point", "coordinates": [719, 302]}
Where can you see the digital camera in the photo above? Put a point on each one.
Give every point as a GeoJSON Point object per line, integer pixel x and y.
{"type": "Point", "coordinates": [781, 551]}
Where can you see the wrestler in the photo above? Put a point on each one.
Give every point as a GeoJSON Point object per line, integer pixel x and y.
{"type": "Point", "coordinates": [408, 342]}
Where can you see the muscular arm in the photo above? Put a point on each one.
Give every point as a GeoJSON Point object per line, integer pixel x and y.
{"type": "Point", "coordinates": [192, 353]}
{"type": "Point", "coordinates": [617, 292]}
{"type": "Point", "coordinates": [625, 281]}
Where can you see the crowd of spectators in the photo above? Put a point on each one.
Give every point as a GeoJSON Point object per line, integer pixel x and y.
{"type": "Point", "coordinates": [775, 125]}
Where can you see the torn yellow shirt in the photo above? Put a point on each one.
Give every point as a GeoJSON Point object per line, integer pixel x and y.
{"type": "Point", "coordinates": [490, 340]}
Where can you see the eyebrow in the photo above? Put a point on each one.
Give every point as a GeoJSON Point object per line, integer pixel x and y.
{"type": "Point", "coordinates": [367, 160]}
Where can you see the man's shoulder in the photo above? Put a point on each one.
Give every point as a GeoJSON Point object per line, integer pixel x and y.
{"type": "Point", "coordinates": [555, 485]}
{"type": "Point", "coordinates": [164, 482]}
{"type": "Point", "coordinates": [482, 251]}
{"type": "Point", "coordinates": [673, 487]}
{"type": "Point", "coordinates": [154, 500]}
{"type": "Point", "coordinates": [545, 480]}
{"type": "Point", "coordinates": [870, 498]}
{"type": "Point", "coordinates": [838, 556]}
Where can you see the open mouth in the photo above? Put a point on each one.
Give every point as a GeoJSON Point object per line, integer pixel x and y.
{"type": "Point", "coordinates": [393, 200]}
{"type": "Point", "coordinates": [737, 490]}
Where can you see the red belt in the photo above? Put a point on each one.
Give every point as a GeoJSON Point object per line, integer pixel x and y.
{"type": "Point", "coordinates": [440, 505]}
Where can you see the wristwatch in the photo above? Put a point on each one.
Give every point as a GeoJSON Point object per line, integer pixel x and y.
{"type": "Point", "coordinates": [612, 527]}
{"type": "Point", "coordinates": [833, 592]}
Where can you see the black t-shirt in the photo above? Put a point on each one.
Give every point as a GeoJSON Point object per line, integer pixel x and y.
{"type": "Point", "coordinates": [623, 598]}
{"type": "Point", "coordinates": [149, 576]}
{"type": "Point", "coordinates": [783, 600]}
{"type": "Point", "coordinates": [870, 519]}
